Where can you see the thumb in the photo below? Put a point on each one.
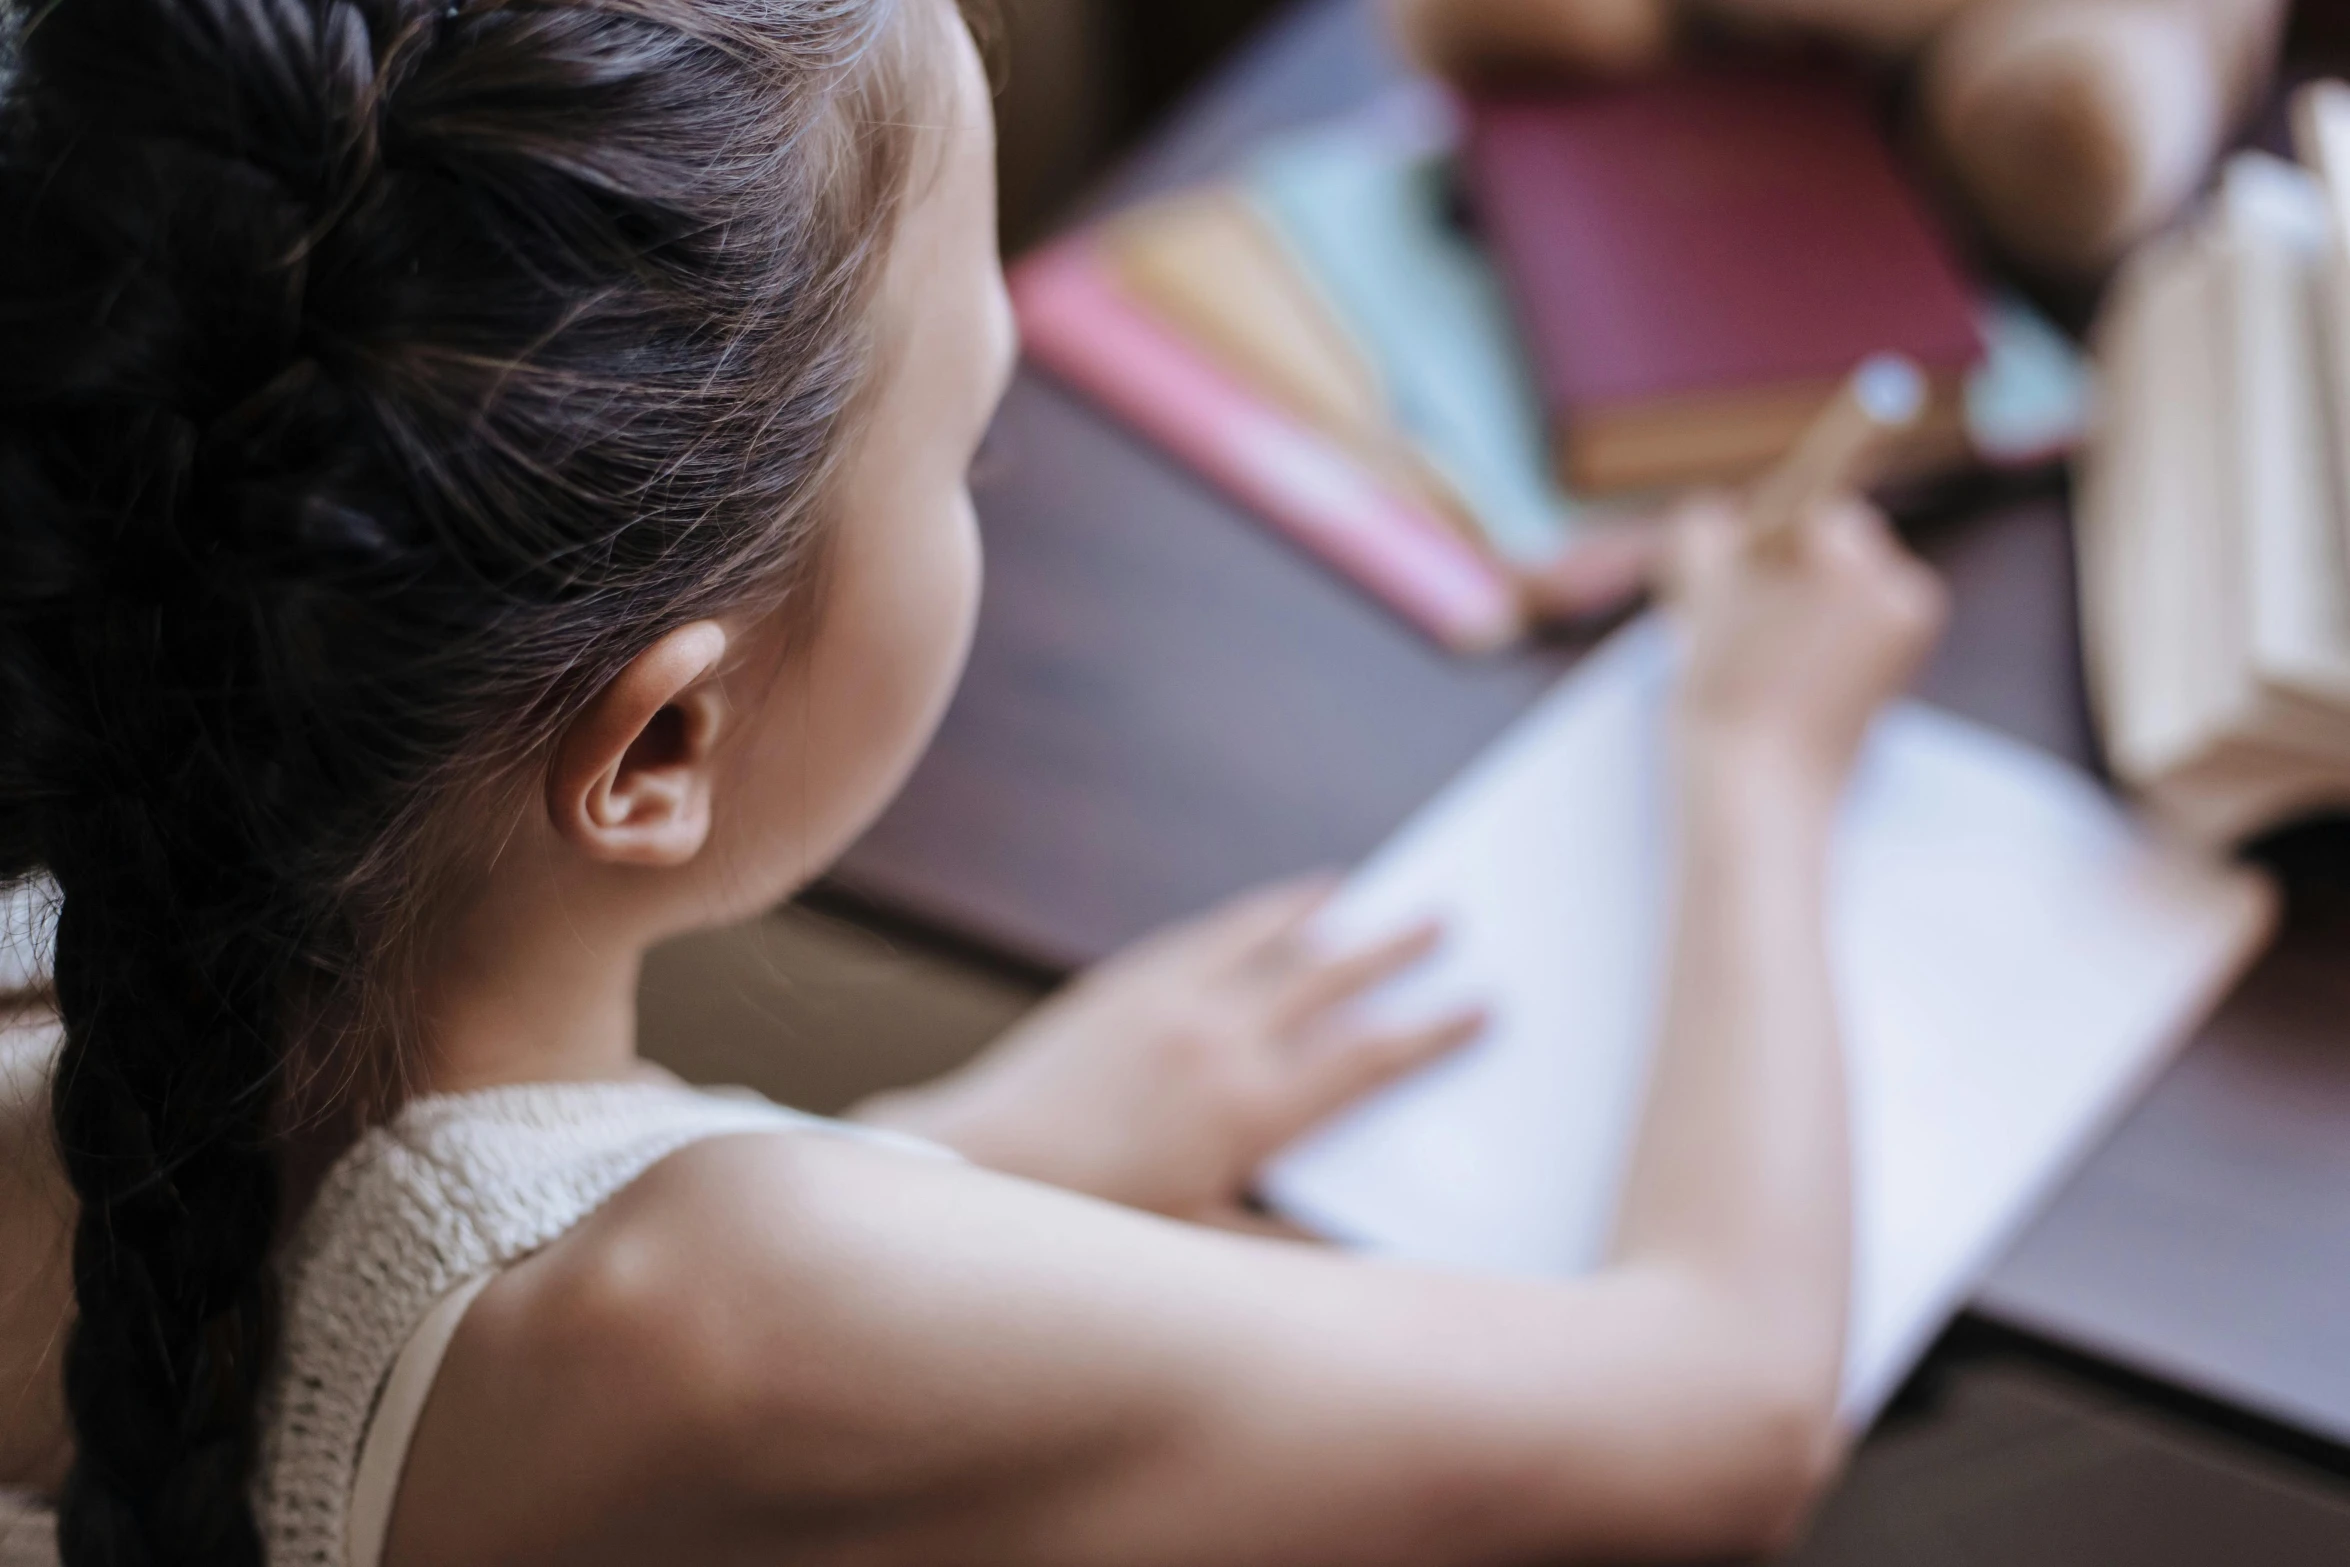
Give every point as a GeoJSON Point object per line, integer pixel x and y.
{"type": "Point", "coordinates": [1707, 535]}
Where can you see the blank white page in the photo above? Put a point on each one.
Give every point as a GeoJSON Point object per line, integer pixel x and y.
{"type": "Point", "coordinates": [2014, 959]}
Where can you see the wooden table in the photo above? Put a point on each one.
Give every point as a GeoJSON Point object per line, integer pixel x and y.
{"type": "Point", "coordinates": [1167, 704]}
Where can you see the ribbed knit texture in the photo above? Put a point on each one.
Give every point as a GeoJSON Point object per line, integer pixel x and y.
{"type": "Point", "coordinates": [458, 1186]}
{"type": "Point", "coordinates": [455, 1188]}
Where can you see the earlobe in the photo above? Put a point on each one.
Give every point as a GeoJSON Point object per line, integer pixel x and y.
{"type": "Point", "coordinates": [631, 781]}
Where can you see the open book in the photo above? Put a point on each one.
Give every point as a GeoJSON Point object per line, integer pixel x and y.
{"type": "Point", "coordinates": [2014, 959]}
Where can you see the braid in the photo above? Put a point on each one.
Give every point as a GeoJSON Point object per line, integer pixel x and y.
{"type": "Point", "coordinates": [182, 904]}
{"type": "Point", "coordinates": [163, 1121]}
{"type": "Point", "coordinates": [376, 378]}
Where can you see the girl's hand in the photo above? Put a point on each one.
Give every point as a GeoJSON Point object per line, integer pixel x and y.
{"type": "Point", "coordinates": [1790, 654]}
{"type": "Point", "coordinates": [1165, 1077]}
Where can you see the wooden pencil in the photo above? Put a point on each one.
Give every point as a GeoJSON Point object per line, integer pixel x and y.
{"type": "Point", "coordinates": [1841, 452]}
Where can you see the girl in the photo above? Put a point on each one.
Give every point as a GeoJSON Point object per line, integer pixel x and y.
{"type": "Point", "coordinates": [484, 492]}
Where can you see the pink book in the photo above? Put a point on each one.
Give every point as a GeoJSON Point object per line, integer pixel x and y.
{"type": "Point", "coordinates": [1076, 322]}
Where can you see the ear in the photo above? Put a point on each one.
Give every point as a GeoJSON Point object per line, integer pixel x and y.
{"type": "Point", "coordinates": [631, 781]}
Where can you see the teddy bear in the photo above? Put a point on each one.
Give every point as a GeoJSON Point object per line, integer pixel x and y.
{"type": "Point", "coordinates": [2073, 127]}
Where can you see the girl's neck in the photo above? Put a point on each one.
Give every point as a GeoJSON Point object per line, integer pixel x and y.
{"type": "Point", "coordinates": [531, 995]}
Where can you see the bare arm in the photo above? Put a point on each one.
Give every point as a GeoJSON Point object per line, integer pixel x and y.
{"type": "Point", "coordinates": [1737, 1196]}
{"type": "Point", "coordinates": [1739, 1184]}
{"type": "Point", "coordinates": [788, 1349]}
{"type": "Point", "coordinates": [795, 1347]}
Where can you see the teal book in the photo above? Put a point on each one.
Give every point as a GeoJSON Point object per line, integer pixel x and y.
{"type": "Point", "coordinates": [1365, 207]}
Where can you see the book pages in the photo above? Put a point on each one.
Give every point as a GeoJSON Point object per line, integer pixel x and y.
{"type": "Point", "coordinates": [2013, 959]}
{"type": "Point", "coordinates": [2171, 544]}
{"type": "Point", "coordinates": [2274, 232]}
{"type": "Point", "coordinates": [2213, 523]}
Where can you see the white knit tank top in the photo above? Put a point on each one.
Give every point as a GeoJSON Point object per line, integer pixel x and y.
{"type": "Point", "coordinates": [410, 1225]}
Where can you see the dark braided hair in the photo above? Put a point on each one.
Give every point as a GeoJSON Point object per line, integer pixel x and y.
{"type": "Point", "coordinates": [377, 377]}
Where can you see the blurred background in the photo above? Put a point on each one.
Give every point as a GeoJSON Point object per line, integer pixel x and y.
{"type": "Point", "coordinates": [1082, 78]}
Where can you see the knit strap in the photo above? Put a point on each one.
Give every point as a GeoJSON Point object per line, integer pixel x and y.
{"type": "Point", "coordinates": [456, 1189]}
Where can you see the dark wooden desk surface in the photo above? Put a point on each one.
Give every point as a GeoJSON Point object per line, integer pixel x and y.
{"type": "Point", "coordinates": [1167, 704]}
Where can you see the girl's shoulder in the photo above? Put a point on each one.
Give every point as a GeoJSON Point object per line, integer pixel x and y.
{"type": "Point", "coordinates": [490, 1175]}
{"type": "Point", "coordinates": [417, 1219]}
{"type": "Point", "coordinates": [734, 1322]}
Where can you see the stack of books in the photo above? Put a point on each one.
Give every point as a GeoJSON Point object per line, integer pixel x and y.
{"type": "Point", "coordinates": [2214, 516]}
{"type": "Point", "coordinates": [1320, 337]}
{"type": "Point", "coordinates": [1452, 347]}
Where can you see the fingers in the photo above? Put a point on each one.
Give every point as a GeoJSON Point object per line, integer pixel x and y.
{"type": "Point", "coordinates": [1850, 539]}
{"type": "Point", "coordinates": [1914, 592]}
{"type": "Point", "coordinates": [1349, 1063]}
{"type": "Point", "coordinates": [1852, 534]}
{"type": "Point", "coordinates": [1704, 539]}
{"type": "Point", "coordinates": [1263, 925]}
{"type": "Point", "coordinates": [1854, 542]}
{"type": "Point", "coordinates": [1598, 575]}
{"type": "Point", "coordinates": [1327, 982]}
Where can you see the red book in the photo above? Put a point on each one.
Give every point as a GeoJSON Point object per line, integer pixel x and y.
{"type": "Point", "coordinates": [1699, 260]}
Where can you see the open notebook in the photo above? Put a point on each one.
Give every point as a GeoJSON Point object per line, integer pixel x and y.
{"type": "Point", "coordinates": [2015, 961]}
